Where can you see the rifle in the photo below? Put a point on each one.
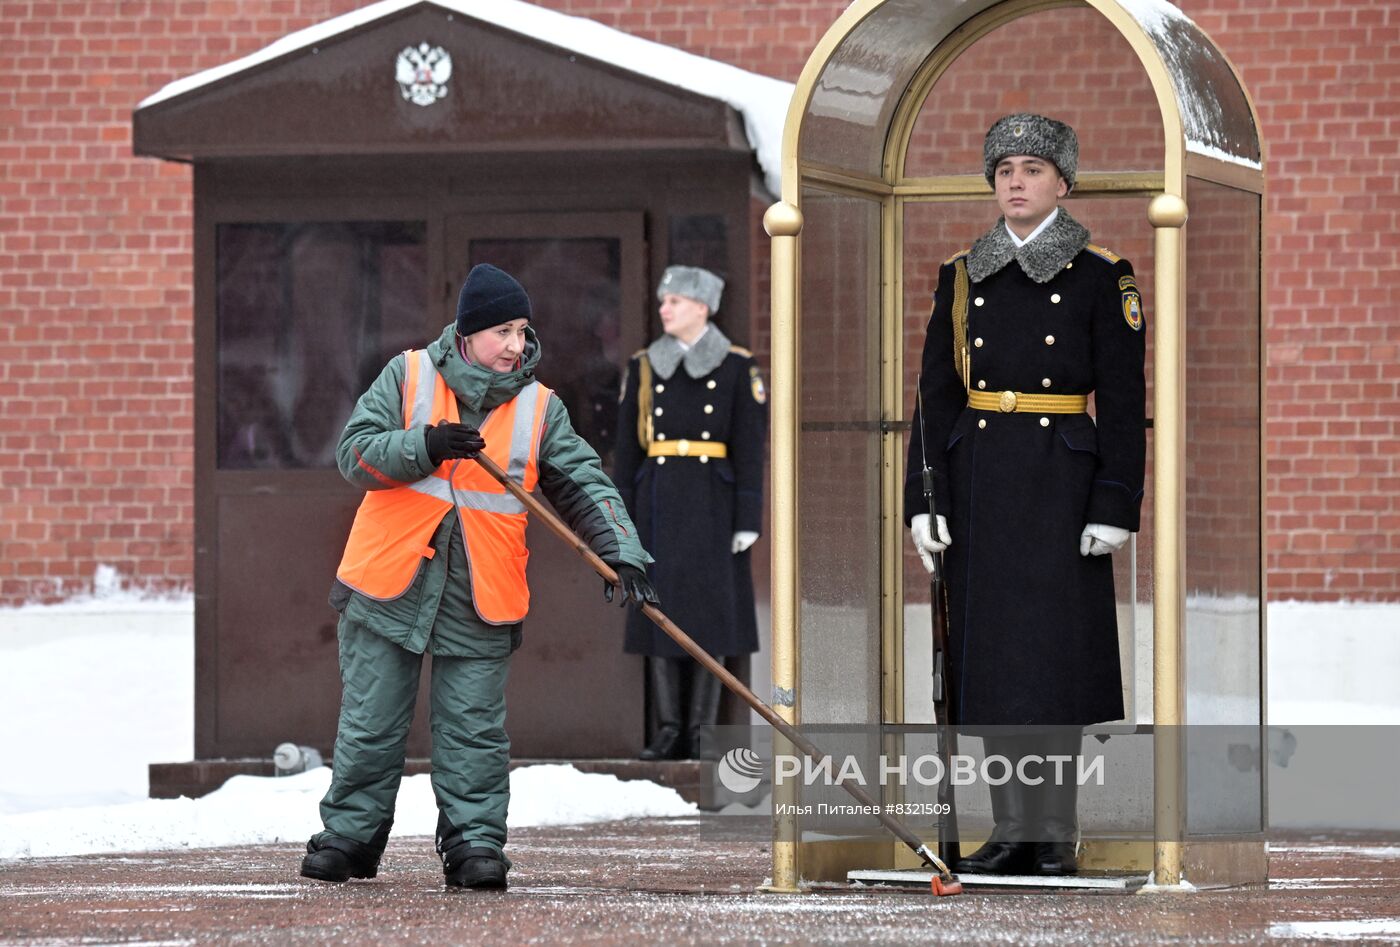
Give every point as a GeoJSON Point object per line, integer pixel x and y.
{"type": "Point", "coordinates": [944, 694]}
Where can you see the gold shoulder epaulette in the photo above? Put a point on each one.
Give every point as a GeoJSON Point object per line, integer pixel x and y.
{"type": "Point", "coordinates": [954, 257]}
{"type": "Point", "coordinates": [740, 350]}
{"type": "Point", "coordinates": [1102, 252]}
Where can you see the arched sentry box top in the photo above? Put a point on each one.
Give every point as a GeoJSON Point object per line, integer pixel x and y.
{"type": "Point", "coordinates": [871, 62]}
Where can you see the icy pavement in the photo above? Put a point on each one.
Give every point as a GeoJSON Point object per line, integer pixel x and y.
{"type": "Point", "coordinates": [673, 881]}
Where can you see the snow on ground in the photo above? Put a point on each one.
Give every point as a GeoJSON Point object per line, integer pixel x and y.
{"type": "Point", "coordinates": [257, 809]}
{"type": "Point", "coordinates": [1366, 929]}
{"type": "Point", "coordinates": [91, 691]}
{"type": "Point", "coordinates": [95, 689]}
{"type": "Point", "coordinates": [1334, 663]}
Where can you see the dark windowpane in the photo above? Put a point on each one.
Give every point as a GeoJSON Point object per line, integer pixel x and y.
{"type": "Point", "coordinates": [699, 240]}
{"type": "Point", "coordinates": [575, 287]}
{"type": "Point", "coordinates": [308, 314]}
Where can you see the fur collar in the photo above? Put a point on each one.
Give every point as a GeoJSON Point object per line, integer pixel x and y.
{"type": "Point", "coordinates": [1041, 259]}
{"type": "Point", "coordinates": [700, 359]}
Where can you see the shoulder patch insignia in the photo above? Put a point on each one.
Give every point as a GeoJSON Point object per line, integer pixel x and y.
{"type": "Point", "coordinates": [1102, 253]}
{"type": "Point", "coordinates": [760, 394]}
{"type": "Point", "coordinates": [1126, 283]}
{"type": "Point", "coordinates": [740, 350]}
{"type": "Point", "coordinates": [1132, 308]}
{"type": "Point", "coordinates": [955, 256]}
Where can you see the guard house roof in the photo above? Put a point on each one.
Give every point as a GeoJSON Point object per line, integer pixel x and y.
{"type": "Point", "coordinates": [524, 79]}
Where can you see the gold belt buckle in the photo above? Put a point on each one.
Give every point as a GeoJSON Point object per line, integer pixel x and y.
{"type": "Point", "coordinates": [1007, 404]}
{"type": "Point", "coordinates": [683, 447]}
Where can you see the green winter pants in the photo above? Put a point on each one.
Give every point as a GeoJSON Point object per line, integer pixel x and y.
{"type": "Point", "coordinates": [471, 752]}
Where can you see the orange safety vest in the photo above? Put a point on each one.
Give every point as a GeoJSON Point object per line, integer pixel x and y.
{"type": "Point", "coordinates": [394, 528]}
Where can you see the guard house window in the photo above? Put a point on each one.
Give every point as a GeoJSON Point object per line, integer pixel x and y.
{"type": "Point", "coordinates": [308, 314]}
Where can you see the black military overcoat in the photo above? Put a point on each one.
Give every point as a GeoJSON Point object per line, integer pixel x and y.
{"type": "Point", "coordinates": [688, 509]}
{"type": "Point", "coordinates": [1033, 623]}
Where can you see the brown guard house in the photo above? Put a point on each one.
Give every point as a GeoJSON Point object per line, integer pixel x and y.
{"type": "Point", "coordinates": [345, 179]}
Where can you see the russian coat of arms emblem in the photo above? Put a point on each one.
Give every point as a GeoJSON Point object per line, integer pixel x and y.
{"type": "Point", "coordinates": [422, 72]}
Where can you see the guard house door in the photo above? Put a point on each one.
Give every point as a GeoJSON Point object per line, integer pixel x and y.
{"type": "Point", "coordinates": [586, 276]}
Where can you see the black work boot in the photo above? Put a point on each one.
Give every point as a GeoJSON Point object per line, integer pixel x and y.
{"type": "Point", "coordinates": [474, 866]}
{"type": "Point", "coordinates": [468, 864]}
{"type": "Point", "coordinates": [333, 858]}
{"type": "Point", "coordinates": [665, 675]}
{"type": "Point", "coordinates": [705, 692]}
{"type": "Point", "coordinates": [1057, 826]}
{"type": "Point", "coordinates": [1007, 851]}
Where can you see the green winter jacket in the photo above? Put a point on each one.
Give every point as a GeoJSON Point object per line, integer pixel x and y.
{"type": "Point", "coordinates": [375, 451]}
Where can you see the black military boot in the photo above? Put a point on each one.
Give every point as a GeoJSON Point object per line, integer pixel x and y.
{"type": "Point", "coordinates": [1007, 851]}
{"type": "Point", "coordinates": [1057, 825]}
{"type": "Point", "coordinates": [468, 864]}
{"type": "Point", "coordinates": [333, 858]}
{"type": "Point", "coordinates": [665, 674]}
{"type": "Point", "coordinates": [705, 692]}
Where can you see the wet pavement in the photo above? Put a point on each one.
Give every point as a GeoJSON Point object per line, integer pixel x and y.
{"type": "Point", "coordinates": [673, 881]}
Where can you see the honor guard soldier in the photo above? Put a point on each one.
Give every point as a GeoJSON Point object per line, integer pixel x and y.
{"type": "Point", "coordinates": [689, 464]}
{"type": "Point", "coordinates": [435, 563]}
{"type": "Point", "coordinates": [1032, 493]}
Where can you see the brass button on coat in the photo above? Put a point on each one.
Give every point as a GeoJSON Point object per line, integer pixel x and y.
{"type": "Point", "coordinates": [982, 422]}
{"type": "Point", "coordinates": [710, 384]}
{"type": "Point", "coordinates": [978, 301]}
{"type": "Point", "coordinates": [1054, 297]}
{"type": "Point", "coordinates": [709, 409]}
{"type": "Point", "coordinates": [1045, 383]}
{"type": "Point", "coordinates": [982, 383]}
{"type": "Point", "coordinates": [660, 388]}
{"type": "Point", "coordinates": [657, 412]}
{"type": "Point", "coordinates": [1049, 340]}
{"type": "Point", "coordinates": [977, 342]}
{"type": "Point", "coordinates": [1007, 403]}
{"type": "Point", "coordinates": [1044, 422]}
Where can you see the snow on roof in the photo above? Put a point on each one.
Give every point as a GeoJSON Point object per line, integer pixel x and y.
{"type": "Point", "coordinates": [761, 100]}
{"type": "Point", "coordinates": [1185, 48]}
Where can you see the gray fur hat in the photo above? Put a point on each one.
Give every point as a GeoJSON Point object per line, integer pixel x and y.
{"type": "Point", "coordinates": [694, 283]}
{"type": "Point", "coordinates": [1028, 134]}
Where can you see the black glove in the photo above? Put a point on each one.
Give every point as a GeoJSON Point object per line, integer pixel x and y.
{"type": "Point", "coordinates": [633, 583]}
{"type": "Point", "coordinates": [448, 441]}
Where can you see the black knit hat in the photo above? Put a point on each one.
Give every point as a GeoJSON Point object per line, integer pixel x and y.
{"type": "Point", "coordinates": [489, 297]}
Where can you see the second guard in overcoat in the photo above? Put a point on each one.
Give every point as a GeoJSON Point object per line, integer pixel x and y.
{"type": "Point", "coordinates": [689, 464]}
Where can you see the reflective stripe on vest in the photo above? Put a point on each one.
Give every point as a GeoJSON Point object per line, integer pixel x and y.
{"type": "Point", "coordinates": [393, 528]}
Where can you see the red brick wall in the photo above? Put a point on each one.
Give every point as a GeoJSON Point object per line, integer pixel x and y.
{"type": "Point", "coordinates": [95, 269]}
{"type": "Point", "coordinates": [95, 288]}
{"type": "Point", "coordinates": [1326, 82]}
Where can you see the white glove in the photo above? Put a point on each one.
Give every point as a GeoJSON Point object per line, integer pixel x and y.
{"type": "Point", "coordinates": [924, 543]}
{"type": "Point", "coordinates": [1099, 540]}
{"type": "Point", "coordinates": [742, 540]}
